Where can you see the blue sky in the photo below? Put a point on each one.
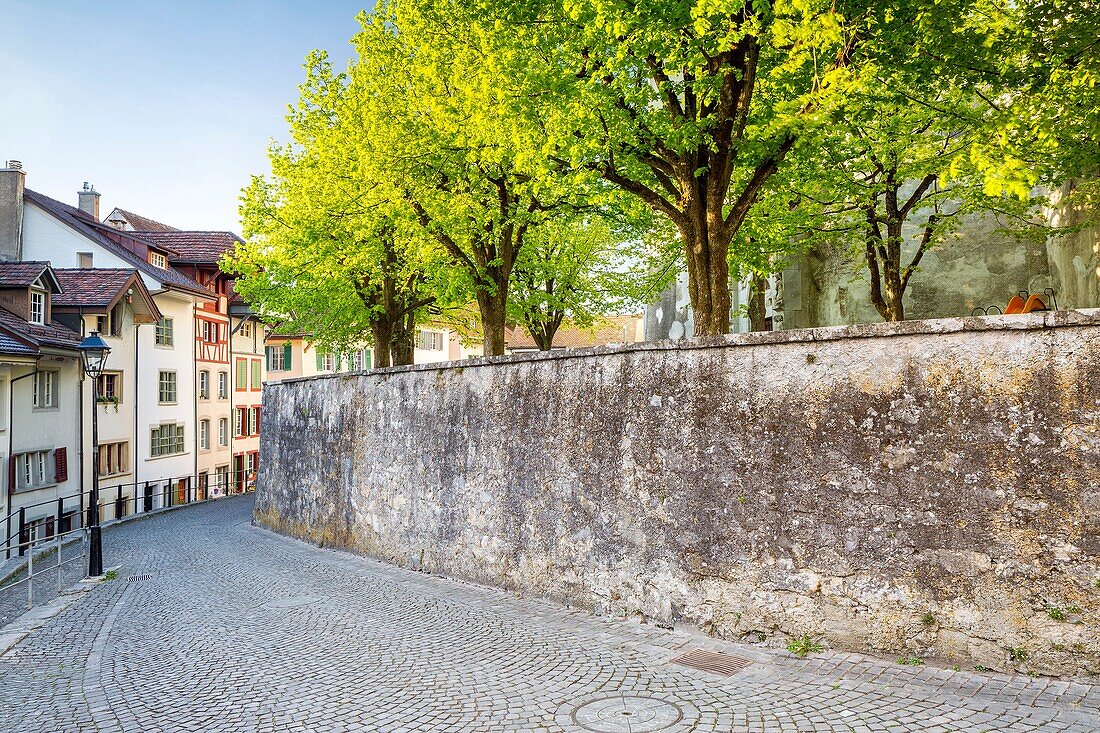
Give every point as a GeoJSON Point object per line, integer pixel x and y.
{"type": "Point", "coordinates": [166, 107]}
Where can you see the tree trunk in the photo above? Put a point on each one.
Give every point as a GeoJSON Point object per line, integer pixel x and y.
{"type": "Point", "coordinates": [380, 333]}
{"type": "Point", "coordinates": [492, 308]}
{"type": "Point", "coordinates": [893, 294]}
{"type": "Point", "coordinates": [403, 341]}
{"type": "Point", "coordinates": [708, 272]}
{"type": "Point", "coordinates": [758, 309]}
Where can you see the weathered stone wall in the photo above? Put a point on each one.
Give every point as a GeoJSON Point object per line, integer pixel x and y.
{"type": "Point", "coordinates": [927, 487]}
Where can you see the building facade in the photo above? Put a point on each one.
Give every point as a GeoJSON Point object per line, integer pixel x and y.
{"type": "Point", "coordinates": [186, 353]}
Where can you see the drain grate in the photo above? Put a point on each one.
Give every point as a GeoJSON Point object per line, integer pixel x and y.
{"type": "Point", "coordinates": [716, 662]}
{"type": "Point", "coordinates": [136, 578]}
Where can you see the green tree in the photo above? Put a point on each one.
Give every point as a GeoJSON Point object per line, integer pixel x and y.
{"type": "Point", "coordinates": [579, 269]}
{"type": "Point", "coordinates": [328, 254]}
{"type": "Point", "coordinates": [419, 107]}
{"type": "Point", "coordinates": [689, 106]}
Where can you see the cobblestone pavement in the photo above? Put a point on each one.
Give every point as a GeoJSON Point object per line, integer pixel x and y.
{"type": "Point", "coordinates": [214, 625]}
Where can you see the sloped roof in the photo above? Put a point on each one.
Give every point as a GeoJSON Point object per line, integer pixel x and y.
{"type": "Point", "coordinates": [35, 334]}
{"type": "Point", "coordinates": [203, 248]}
{"type": "Point", "coordinates": [142, 223]}
{"type": "Point", "coordinates": [24, 274]}
{"type": "Point", "coordinates": [609, 330]}
{"type": "Point", "coordinates": [86, 225]}
{"type": "Point", "coordinates": [9, 345]}
{"type": "Point", "coordinates": [90, 287]}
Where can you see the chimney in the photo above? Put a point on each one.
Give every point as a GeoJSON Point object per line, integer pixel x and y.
{"type": "Point", "coordinates": [89, 201]}
{"type": "Point", "coordinates": [11, 211]}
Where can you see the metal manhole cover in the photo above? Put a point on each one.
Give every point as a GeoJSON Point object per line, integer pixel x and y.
{"type": "Point", "coordinates": [294, 602]}
{"type": "Point", "coordinates": [136, 578]}
{"type": "Point", "coordinates": [716, 662]}
{"type": "Point", "coordinates": [632, 713]}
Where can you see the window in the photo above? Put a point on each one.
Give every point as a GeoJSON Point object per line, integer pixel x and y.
{"type": "Point", "coordinates": [252, 457]}
{"type": "Point", "coordinates": [223, 385]}
{"type": "Point", "coordinates": [85, 260]}
{"type": "Point", "coordinates": [35, 469]}
{"type": "Point", "coordinates": [238, 421]}
{"type": "Point", "coordinates": [221, 476]}
{"type": "Point", "coordinates": [204, 385]}
{"type": "Point", "coordinates": [223, 431]}
{"type": "Point", "coordinates": [164, 332]}
{"type": "Point", "coordinates": [114, 458]}
{"type": "Point", "coordinates": [257, 381]}
{"type": "Point", "coordinates": [327, 362]}
{"type": "Point", "coordinates": [38, 306]}
{"type": "Point", "coordinates": [166, 440]}
{"type": "Point", "coordinates": [111, 323]}
{"type": "Point", "coordinates": [204, 434]}
{"type": "Point", "coordinates": [254, 421]}
{"type": "Point", "coordinates": [45, 390]}
{"type": "Point", "coordinates": [156, 259]}
{"type": "Point", "coordinates": [429, 340]}
{"type": "Point", "coordinates": [279, 358]}
{"type": "Point", "coordinates": [167, 388]}
{"type": "Point", "coordinates": [109, 387]}
{"type": "Point", "coordinates": [246, 329]}
{"type": "Point", "coordinates": [242, 374]}
{"type": "Point", "coordinates": [361, 360]}
{"type": "Point", "coordinates": [210, 332]}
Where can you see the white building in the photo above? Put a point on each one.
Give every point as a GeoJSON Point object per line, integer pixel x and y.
{"type": "Point", "coordinates": [41, 402]}
{"type": "Point", "coordinates": [159, 357]}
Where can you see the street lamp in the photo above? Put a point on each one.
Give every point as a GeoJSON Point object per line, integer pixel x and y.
{"type": "Point", "coordinates": [93, 352]}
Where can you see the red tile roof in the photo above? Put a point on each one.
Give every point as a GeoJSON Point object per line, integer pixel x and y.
{"type": "Point", "coordinates": [610, 330]}
{"type": "Point", "coordinates": [144, 223]}
{"type": "Point", "coordinates": [202, 248]}
{"type": "Point", "coordinates": [86, 225]}
{"type": "Point", "coordinates": [34, 334]}
{"type": "Point", "coordinates": [21, 274]}
{"type": "Point", "coordinates": [90, 287]}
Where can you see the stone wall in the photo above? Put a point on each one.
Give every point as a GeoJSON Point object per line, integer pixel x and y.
{"type": "Point", "coordinates": [927, 487]}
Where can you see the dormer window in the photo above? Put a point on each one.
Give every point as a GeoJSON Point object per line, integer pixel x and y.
{"type": "Point", "coordinates": [38, 307]}
{"type": "Point", "coordinates": [156, 259]}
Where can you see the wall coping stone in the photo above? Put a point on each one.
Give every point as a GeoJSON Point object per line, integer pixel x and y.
{"type": "Point", "coordinates": [1086, 317]}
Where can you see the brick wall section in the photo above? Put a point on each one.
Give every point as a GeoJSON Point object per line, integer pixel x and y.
{"type": "Point", "coordinates": [929, 487]}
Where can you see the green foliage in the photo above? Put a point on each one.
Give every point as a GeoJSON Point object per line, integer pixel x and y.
{"type": "Point", "coordinates": [1056, 614]}
{"type": "Point", "coordinates": [1016, 654]}
{"type": "Point", "coordinates": [910, 660]}
{"type": "Point", "coordinates": [804, 645]}
{"type": "Point", "coordinates": [928, 619]}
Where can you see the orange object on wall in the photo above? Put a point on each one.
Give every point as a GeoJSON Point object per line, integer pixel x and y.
{"type": "Point", "coordinates": [1034, 303]}
{"type": "Point", "coordinates": [1015, 305]}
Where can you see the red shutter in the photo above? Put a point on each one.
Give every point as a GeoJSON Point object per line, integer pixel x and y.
{"type": "Point", "coordinates": [61, 464]}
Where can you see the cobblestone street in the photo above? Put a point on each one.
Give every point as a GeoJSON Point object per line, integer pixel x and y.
{"type": "Point", "coordinates": [215, 625]}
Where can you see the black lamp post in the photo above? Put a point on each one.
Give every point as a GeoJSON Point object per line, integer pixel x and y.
{"type": "Point", "coordinates": [94, 351]}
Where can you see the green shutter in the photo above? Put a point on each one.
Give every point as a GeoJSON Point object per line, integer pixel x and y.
{"type": "Point", "coordinates": [256, 374]}
{"type": "Point", "coordinates": [317, 353]}
{"type": "Point", "coordinates": [242, 374]}
{"type": "Point", "coordinates": [286, 357]}
{"type": "Point", "coordinates": [267, 355]}
{"type": "Point", "coordinates": [368, 355]}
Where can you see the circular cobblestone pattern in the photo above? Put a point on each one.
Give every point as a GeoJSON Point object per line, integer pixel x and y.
{"type": "Point", "coordinates": [241, 630]}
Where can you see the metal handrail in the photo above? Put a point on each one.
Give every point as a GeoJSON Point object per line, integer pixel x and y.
{"type": "Point", "coordinates": [58, 546]}
{"type": "Point", "coordinates": [124, 503]}
{"type": "Point", "coordinates": [194, 494]}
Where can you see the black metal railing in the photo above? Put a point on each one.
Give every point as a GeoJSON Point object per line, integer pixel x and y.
{"type": "Point", "coordinates": [117, 501]}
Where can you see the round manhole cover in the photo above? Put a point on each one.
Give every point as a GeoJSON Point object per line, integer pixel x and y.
{"type": "Point", "coordinates": [631, 713]}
